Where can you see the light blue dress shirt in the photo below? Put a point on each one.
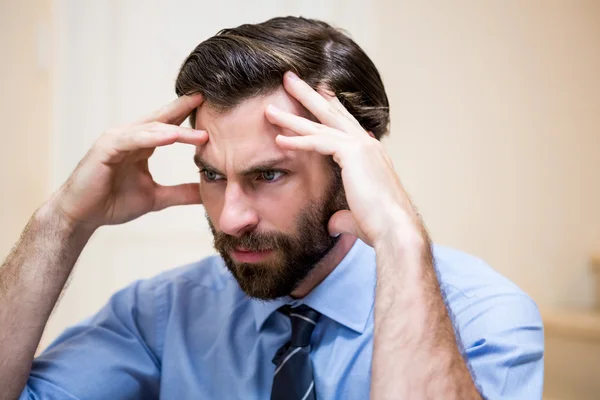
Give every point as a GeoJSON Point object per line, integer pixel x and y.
{"type": "Point", "coordinates": [191, 333]}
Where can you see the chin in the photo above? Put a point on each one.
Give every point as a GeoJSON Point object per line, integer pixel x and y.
{"type": "Point", "coordinates": [266, 281]}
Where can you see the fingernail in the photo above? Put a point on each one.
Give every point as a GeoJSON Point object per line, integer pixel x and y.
{"type": "Point", "coordinates": [293, 76]}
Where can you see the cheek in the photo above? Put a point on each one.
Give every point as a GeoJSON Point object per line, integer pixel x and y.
{"type": "Point", "coordinates": [278, 207]}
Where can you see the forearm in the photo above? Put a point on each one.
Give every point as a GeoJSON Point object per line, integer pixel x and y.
{"type": "Point", "coordinates": [31, 280]}
{"type": "Point", "coordinates": [415, 352]}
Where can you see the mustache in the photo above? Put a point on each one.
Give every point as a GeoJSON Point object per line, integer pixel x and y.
{"type": "Point", "coordinates": [252, 241]}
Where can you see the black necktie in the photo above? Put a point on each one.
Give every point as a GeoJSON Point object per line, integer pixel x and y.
{"type": "Point", "coordinates": [293, 379]}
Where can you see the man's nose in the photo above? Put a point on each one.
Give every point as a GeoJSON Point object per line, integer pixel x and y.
{"type": "Point", "coordinates": [238, 215]}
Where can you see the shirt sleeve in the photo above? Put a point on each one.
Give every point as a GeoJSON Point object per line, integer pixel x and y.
{"type": "Point", "coordinates": [504, 345]}
{"type": "Point", "coordinates": [112, 355]}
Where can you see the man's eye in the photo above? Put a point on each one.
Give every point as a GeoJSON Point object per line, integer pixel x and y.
{"type": "Point", "coordinates": [211, 176]}
{"type": "Point", "coordinates": [271, 176]}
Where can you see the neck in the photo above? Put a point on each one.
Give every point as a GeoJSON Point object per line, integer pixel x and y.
{"type": "Point", "coordinates": [325, 266]}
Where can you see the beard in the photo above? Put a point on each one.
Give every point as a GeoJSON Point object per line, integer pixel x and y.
{"type": "Point", "coordinates": [293, 256]}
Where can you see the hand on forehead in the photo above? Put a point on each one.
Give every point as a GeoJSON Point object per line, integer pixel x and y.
{"type": "Point", "coordinates": [243, 135]}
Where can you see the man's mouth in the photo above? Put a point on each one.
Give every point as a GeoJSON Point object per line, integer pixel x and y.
{"type": "Point", "coordinates": [244, 255]}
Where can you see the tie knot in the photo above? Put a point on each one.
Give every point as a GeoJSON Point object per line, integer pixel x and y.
{"type": "Point", "coordinates": [304, 319]}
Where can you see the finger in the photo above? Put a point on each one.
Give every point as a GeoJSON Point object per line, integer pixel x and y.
{"type": "Point", "coordinates": [335, 103]}
{"type": "Point", "coordinates": [185, 135]}
{"type": "Point", "coordinates": [327, 94]}
{"type": "Point", "coordinates": [179, 195]}
{"type": "Point", "coordinates": [135, 140]}
{"type": "Point", "coordinates": [318, 106]}
{"type": "Point", "coordinates": [295, 123]}
{"type": "Point", "coordinates": [342, 222]}
{"type": "Point", "coordinates": [324, 145]}
{"type": "Point", "coordinates": [142, 155]}
{"type": "Point", "coordinates": [175, 112]}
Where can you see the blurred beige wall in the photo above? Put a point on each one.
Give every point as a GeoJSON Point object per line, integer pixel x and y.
{"type": "Point", "coordinates": [24, 113]}
{"type": "Point", "coordinates": [496, 132]}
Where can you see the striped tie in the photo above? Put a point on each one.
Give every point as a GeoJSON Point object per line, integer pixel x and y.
{"type": "Point", "coordinates": [293, 379]}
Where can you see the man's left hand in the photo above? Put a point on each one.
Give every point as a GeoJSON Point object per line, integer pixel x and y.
{"type": "Point", "coordinates": [378, 203]}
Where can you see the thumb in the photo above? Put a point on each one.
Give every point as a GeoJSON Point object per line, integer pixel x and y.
{"type": "Point", "coordinates": [179, 195]}
{"type": "Point", "coordinates": [343, 222]}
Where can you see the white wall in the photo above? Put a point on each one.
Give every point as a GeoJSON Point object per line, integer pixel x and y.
{"type": "Point", "coordinates": [495, 126]}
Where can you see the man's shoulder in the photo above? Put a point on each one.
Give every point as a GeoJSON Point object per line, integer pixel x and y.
{"type": "Point", "coordinates": [499, 325]}
{"type": "Point", "coordinates": [484, 303]}
{"type": "Point", "coordinates": [469, 275]}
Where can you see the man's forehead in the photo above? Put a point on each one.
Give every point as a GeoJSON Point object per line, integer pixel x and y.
{"type": "Point", "coordinates": [242, 136]}
{"type": "Point", "coordinates": [254, 106]}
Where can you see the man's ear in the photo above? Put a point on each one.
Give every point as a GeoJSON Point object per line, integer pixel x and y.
{"type": "Point", "coordinates": [371, 134]}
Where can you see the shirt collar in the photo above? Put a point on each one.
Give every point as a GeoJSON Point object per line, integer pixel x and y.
{"type": "Point", "coordinates": [346, 295]}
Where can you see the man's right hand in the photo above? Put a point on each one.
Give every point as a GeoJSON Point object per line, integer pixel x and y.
{"type": "Point", "coordinates": [112, 184]}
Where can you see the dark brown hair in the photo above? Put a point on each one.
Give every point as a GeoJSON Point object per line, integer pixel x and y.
{"type": "Point", "coordinates": [240, 63]}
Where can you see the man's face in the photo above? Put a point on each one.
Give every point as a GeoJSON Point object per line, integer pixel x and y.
{"type": "Point", "coordinates": [268, 208]}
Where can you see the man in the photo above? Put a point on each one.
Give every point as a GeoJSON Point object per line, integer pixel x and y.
{"type": "Point", "coordinates": [326, 286]}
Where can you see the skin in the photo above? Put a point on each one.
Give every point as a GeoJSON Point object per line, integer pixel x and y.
{"type": "Point", "coordinates": [238, 203]}
{"type": "Point", "coordinates": [415, 353]}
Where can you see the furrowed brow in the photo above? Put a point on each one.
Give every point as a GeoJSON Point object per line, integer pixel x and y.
{"type": "Point", "coordinates": [259, 167]}
{"type": "Point", "coordinates": [201, 163]}
{"type": "Point", "coordinates": [266, 165]}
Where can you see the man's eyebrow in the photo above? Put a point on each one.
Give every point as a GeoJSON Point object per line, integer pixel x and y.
{"type": "Point", "coordinates": [265, 165]}
{"type": "Point", "coordinates": [201, 163]}
{"type": "Point", "coordinates": [261, 166]}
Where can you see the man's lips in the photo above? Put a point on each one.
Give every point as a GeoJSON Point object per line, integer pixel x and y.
{"type": "Point", "coordinates": [241, 254]}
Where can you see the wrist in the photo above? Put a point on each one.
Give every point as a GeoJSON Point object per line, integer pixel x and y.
{"type": "Point", "coordinates": [50, 215]}
{"type": "Point", "coordinates": [402, 232]}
